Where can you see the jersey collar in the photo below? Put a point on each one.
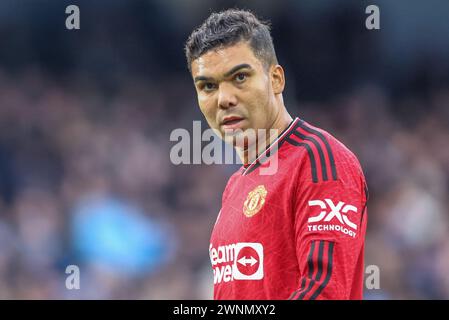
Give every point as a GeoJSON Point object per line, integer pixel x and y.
{"type": "Point", "coordinates": [270, 148]}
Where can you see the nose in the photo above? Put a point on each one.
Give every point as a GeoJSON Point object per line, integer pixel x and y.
{"type": "Point", "coordinates": [226, 97]}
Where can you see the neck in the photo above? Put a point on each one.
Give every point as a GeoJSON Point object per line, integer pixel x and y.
{"type": "Point", "coordinates": [253, 151]}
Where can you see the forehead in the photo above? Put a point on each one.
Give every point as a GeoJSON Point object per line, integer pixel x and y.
{"type": "Point", "coordinates": [218, 61]}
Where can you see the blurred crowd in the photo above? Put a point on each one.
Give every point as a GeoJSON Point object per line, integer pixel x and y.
{"type": "Point", "coordinates": [85, 123]}
{"type": "Point", "coordinates": [86, 180]}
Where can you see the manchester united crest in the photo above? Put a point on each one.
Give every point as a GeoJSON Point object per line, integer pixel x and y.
{"type": "Point", "coordinates": [255, 201]}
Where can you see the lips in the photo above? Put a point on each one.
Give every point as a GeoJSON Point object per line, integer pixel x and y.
{"type": "Point", "coordinates": [231, 122]}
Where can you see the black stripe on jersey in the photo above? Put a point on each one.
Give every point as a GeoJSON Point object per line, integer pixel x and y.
{"type": "Point", "coordinates": [320, 151]}
{"type": "Point", "coordinates": [317, 278]}
{"type": "Point", "coordinates": [311, 156]}
{"type": "Point", "coordinates": [310, 267]}
{"type": "Point", "coordinates": [310, 259]}
{"type": "Point", "coordinates": [326, 143]}
{"type": "Point", "coordinates": [328, 273]}
{"type": "Point", "coordinates": [303, 284]}
{"type": "Point", "coordinates": [254, 167]}
{"type": "Point", "coordinates": [320, 261]}
{"type": "Point", "coordinates": [310, 264]}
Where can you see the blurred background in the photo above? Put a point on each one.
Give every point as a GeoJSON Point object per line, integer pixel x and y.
{"type": "Point", "coordinates": [86, 116]}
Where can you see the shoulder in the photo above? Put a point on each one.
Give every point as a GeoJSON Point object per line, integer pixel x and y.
{"type": "Point", "coordinates": [321, 156]}
{"type": "Point", "coordinates": [329, 172]}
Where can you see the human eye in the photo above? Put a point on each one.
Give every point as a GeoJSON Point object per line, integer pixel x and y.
{"type": "Point", "coordinates": [240, 77]}
{"type": "Point", "coordinates": [208, 86]}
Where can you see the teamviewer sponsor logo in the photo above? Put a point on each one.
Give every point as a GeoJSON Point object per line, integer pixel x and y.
{"type": "Point", "coordinates": [249, 257]}
{"type": "Point", "coordinates": [325, 220]}
{"type": "Point", "coordinates": [239, 261]}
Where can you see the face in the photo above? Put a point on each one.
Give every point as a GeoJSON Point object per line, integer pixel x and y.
{"type": "Point", "coordinates": [235, 92]}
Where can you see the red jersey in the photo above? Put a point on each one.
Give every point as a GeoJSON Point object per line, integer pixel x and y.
{"type": "Point", "coordinates": [297, 232]}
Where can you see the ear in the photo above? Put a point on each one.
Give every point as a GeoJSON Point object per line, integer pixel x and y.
{"type": "Point", "coordinates": [277, 78]}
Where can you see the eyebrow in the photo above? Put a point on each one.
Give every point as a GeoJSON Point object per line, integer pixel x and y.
{"type": "Point", "coordinates": [227, 74]}
{"type": "Point", "coordinates": [236, 68]}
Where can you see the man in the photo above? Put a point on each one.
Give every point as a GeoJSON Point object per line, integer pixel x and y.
{"type": "Point", "coordinates": [298, 232]}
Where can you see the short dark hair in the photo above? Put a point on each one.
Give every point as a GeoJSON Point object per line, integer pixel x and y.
{"type": "Point", "coordinates": [227, 28]}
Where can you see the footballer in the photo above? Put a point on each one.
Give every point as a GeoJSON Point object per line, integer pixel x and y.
{"type": "Point", "coordinates": [298, 232]}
